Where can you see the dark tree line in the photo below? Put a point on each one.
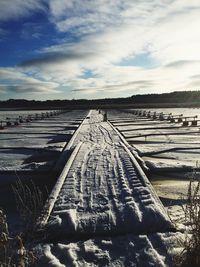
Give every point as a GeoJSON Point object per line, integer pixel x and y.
{"type": "Point", "coordinates": [174, 97]}
{"type": "Point", "coordinates": [184, 97]}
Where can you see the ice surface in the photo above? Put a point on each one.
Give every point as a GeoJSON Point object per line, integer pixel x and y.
{"type": "Point", "coordinates": [36, 145]}
{"type": "Point", "coordinates": [149, 137]}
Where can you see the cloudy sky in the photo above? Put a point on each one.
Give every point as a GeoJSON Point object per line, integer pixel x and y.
{"type": "Point", "coordinates": [58, 49]}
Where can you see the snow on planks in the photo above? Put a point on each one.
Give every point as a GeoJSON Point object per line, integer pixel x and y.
{"type": "Point", "coordinates": [119, 251]}
{"type": "Point", "coordinates": [104, 192]}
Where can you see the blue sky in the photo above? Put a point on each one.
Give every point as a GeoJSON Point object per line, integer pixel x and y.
{"type": "Point", "coordinates": [64, 49]}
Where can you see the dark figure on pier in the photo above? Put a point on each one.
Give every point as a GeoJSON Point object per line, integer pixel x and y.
{"type": "Point", "coordinates": [105, 116]}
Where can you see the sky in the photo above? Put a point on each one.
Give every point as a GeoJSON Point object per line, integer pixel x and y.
{"type": "Point", "coordinates": [70, 49]}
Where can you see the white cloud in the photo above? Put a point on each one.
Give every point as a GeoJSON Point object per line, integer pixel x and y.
{"type": "Point", "coordinates": [18, 82]}
{"type": "Point", "coordinates": [104, 33]}
{"type": "Point", "coordinates": [14, 9]}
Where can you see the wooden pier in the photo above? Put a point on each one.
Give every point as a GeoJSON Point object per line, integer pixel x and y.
{"type": "Point", "coordinates": [102, 189]}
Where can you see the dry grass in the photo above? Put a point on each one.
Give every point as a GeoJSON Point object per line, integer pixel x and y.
{"type": "Point", "coordinates": [190, 255]}
{"type": "Point", "coordinates": [12, 250]}
{"type": "Point", "coordinates": [30, 202]}
{"type": "Point", "coordinates": [16, 251]}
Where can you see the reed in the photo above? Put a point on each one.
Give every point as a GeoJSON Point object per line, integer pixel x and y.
{"type": "Point", "coordinates": [190, 255]}
{"type": "Point", "coordinates": [12, 250]}
{"type": "Point", "coordinates": [30, 202]}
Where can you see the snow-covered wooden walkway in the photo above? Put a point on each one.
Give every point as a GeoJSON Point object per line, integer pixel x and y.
{"type": "Point", "coordinates": [102, 189]}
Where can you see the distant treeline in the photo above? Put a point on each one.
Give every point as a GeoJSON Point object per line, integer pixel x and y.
{"type": "Point", "coordinates": [174, 99]}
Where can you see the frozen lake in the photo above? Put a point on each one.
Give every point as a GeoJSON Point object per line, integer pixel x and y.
{"type": "Point", "coordinates": [164, 146]}
{"type": "Point", "coordinates": [104, 196]}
